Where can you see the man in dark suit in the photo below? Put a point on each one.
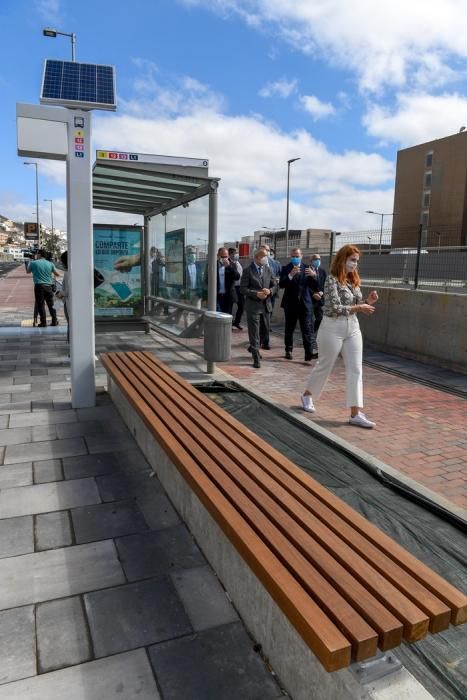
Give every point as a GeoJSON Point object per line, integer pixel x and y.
{"type": "Point", "coordinates": [227, 275]}
{"type": "Point", "coordinates": [299, 284]}
{"type": "Point", "coordinates": [257, 286]}
{"type": "Point", "coordinates": [318, 295]}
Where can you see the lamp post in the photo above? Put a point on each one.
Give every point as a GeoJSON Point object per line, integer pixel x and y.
{"type": "Point", "coordinates": [48, 31]}
{"type": "Point", "coordinates": [27, 162]}
{"type": "Point", "coordinates": [292, 160]}
{"type": "Point", "coordinates": [378, 213]}
{"type": "Point", "coordinates": [369, 243]}
{"type": "Point", "coordinates": [52, 221]}
{"type": "Point", "coordinates": [439, 240]}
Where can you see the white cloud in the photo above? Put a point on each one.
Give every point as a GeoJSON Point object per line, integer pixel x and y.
{"type": "Point", "coordinates": [395, 43]}
{"type": "Point", "coordinates": [280, 88]}
{"type": "Point", "coordinates": [417, 118]}
{"type": "Point", "coordinates": [316, 108]}
{"type": "Point", "coordinates": [50, 10]}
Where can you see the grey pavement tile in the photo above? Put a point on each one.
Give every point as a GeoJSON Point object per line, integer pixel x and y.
{"type": "Point", "coordinates": [62, 405]}
{"type": "Point", "coordinates": [52, 449]}
{"type": "Point", "coordinates": [62, 634]}
{"type": "Point", "coordinates": [4, 421]}
{"type": "Point", "coordinates": [38, 372]}
{"type": "Point", "coordinates": [111, 427]}
{"type": "Point", "coordinates": [45, 405]}
{"type": "Point", "coordinates": [90, 465]}
{"type": "Point", "coordinates": [9, 380]}
{"type": "Point", "coordinates": [157, 509]}
{"type": "Point", "coordinates": [14, 407]}
{"type": "Point", "coordinates": [15, 436]}
{"type": "Point", "coordinates": [58, 573]}
{"type": "Point", "coordinates": [41, 433]}
{"type": "Point", "coordinates": [17, 644]}
{"type": "Point", "coordinates": [135, 615]}
{"type": "Point", "coordinates": [43, 418]}
{"type": "Point", "coordinates": [44, 498]}
{"type": "Point", "coordinates": [113, 487]}
{"type": "Point", "coordinates": [52, 530]}
{"type": "Point", "coordinates": [158, 553]}
{"type": "Point", "coordinates": [12, 475]}
{"type": "Point", "coordinates": [125, 676]}
{"type": "Point", "coordinates": [108, 443]}
{"type": "Point", "coordinates": [107, 520]}
{"type": "Point", "coordinates": [216, 663]}
{"type": "Point", "coordinates": [106, 412]}
{"type": "Point", "coordinates": [14, 389]}
{"type": "Point", "coordinates": [16, 536]}
{"type": "Point", "coordinates": [2, 454]}
{"type": "Point", "coordinates": [47, 470]}
{"type": "Point", "coordinates": [203, 597]}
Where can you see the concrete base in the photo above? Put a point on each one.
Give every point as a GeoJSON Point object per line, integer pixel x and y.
{"type": "Point", "coordinates": [299, 670]}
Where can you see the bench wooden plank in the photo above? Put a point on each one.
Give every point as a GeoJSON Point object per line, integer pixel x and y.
{"type": "Point", "coordinates": [360, 557]}
{"type": "Point", "coordinates": [433, 582]}
{"type": "Point", "coordinates": [322, 636]}
{"type": "Point", "coordinates": [363, 637]}
{"type": "Point", "coordinates": [341, 574]}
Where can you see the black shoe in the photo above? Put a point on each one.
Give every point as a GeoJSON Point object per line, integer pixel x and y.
{"type": "Point", "coordinates": [266, 346]}
{"type": "Point", "coordinates": [237, 325]}
{"type": "Point", "coordinates": [288, 355]}
{"type": "Point", "coordinates": [54, 323]}
{"type": "Point", "coordinates": [249, 348]}
{"type": "Point", "coordinates": [256, 362]}
{"type": "Point", "coordinates": [41, 325]}
{"type": "Point", "coordinates": [314, 355]}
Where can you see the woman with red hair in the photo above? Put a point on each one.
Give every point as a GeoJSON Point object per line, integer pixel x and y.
{"type": "Point", "coordinates": [339, 332]}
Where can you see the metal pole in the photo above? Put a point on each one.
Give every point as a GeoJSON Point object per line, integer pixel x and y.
{"type": "Point", "coordinates": [331, 248]}
{"type": "Point", "coordinates": [37, 207]}
{"type": "Point", "coordinates": [52, 220]}
{"type": "Point", "coordinates": [73, 47]}
{"type": "Point", "coordinates": [417, 261]}
{"type": "Point", "coordinates": [145, 267]}
{"type": "Point", "coordinates": [381, 234]}
{"type": "Point", "coordinates": [212, 259]}
{"type": "Point", "coordinates": [287, 213]}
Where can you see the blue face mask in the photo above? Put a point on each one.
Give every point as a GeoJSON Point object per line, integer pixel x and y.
{"type": "Point", "coordinates": [316, 263]}
{"type": "Point", "coordinates": [295, 261]}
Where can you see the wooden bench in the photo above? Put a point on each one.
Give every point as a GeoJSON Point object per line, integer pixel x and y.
{"type": "Point", "coordinates": [345, 586]}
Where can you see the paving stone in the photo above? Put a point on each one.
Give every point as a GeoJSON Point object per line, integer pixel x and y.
{"type": "Point", "coordinates": [113, 487]}
{"type": "Point", "coordinates": [14, 407]}
{"type": "Point", "coordinates": [106, 412]}
{"type": "Point", "coordinates": [16, 537]}
{"type": "Point", "coordinates": [53, 530]}
{"type": "Point", "coordinates": [62, 634]}
{"type": "Point", "coordinates": [15, 436]}
{"type": "Point", "coordinates": [43, 418]}
{"type": "Point", "coordinates": [15, 475]}
{"type": "Point", "coordinates": [216, 663]}
{"type": "Point", "coordinates": [122, 677]}
{"type": "Point", "coordinates": [157, 510]}
{"type": "Point", "coordinates": [109, 443]}
{"type": "Point", "coordinates": [203, 597]}
{"type": "Point", "coordinates": [158, 553]}
{"type": "Point", "coordinates": [45, 405]}
{"type": "Point", "coordinates": [40, 433]}
{"type": "Point", "coordinates": [17, 644]}
{"type": "Point", "coordinates": [47, 470]}
{"type": "Point", "coordinates": [4, 421]}
{"type": "Point", "coordinates": [58, 573]}
{"type": "Point", "coordinates": [45, 450]}
{"type": "Point", "coordinates": [135, 615]}
{"type": "Point", "coordinates": [45, 498]}
{"type": "Point", "coordinates": [90, 465]}
{"type": "Point", "coordinates": [111, 427]}
{"type": "Point", "coordinates": [107, 520]}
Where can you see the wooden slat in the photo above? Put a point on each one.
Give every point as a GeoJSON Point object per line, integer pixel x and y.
{"type": "Point", "coordinates": [342, 574]}
{"type": "Point", "coordinates": [322, 636]}
{"type": "Point", "coordinates": [437, 585]}
{"type": "Point", "coordinates": [360, 556]}
{"type": "Point", "coordinates": [363, 637]}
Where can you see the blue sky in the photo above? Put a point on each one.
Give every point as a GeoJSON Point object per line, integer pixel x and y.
{"type": "Point", "coordinates": [250, 84]}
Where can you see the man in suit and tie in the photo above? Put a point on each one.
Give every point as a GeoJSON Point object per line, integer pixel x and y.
{"type": "Point", "coordinates": [257, 286]}
{"type": "Point", "coordinates": [299, 283]}
{"type": "Point", "coordinates": [227, 275]}
{"type": "Point", "coordinates": [318, 295]}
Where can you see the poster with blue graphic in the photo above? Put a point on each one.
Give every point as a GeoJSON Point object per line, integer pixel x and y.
{"type": "Point", "coordinates": [118, 285]}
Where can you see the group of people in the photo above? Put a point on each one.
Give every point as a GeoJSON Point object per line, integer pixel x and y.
{"type": "Point", "coordinates": [326, 307]}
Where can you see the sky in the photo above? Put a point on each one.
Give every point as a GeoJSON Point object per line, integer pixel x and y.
{"type": "Point", "coordinates": [249, 84]}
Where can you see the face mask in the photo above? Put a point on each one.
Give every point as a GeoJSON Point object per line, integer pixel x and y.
{"type": "Point", "coordinates": [263, 261]}
{"type": "Point", "coordinates": [191, 258]}
{"type": "Point", "coordinates": [350, 265]}
{"type": "Point", "coordinates": [296, 260]}
{"type": "Point", "coordinates": [236, 256]}
{"type": "Point", "coordinates": [271, 255]}
{"type": "Point", "coordinates": [316, 263]}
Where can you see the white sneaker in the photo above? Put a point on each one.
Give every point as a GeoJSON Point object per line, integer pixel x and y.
{"type": "Point", "coordinates": [307, 403]}
{"type": "Point", "coordinates": [361, 420]}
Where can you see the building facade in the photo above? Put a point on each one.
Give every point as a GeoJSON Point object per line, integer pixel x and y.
{"type": "Point", "coordinates": [431, 191]}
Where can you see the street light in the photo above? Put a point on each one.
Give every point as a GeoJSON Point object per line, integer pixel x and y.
{"type": "Point", "coordinates": [48, 31]}
{"type": "Point", "coordinates": [27, 162]}
{"type": "Point", "coordinates": [369, 243]}
{"type": "Point", "coordinates": [292, 160]}
{"type": "Point", "coordinates": [439, 240]}
{"type": "Point", "coordinates": [52, 220]}
{"type": "Point", "coordinates": [378, 213]}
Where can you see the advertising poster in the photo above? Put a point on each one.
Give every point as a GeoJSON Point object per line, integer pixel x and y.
{"type": "Point", "coordinates": [117, 270]}
{"type": "Point", "coordinates": [175, 262]}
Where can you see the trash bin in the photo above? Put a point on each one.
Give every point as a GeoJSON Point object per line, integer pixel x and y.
{"type": "Point", "coordinates": [217, 336]}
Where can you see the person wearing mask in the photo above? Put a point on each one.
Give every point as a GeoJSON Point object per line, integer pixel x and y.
{"type": "Point", "coordinates": [275, 268]}
{"type": "Point", "coordinates": [257, 286]}
{"type": "Point", "coordinates": [340, 333]}
{"type": "Point", "coordinates": [318, 295]}
{"type": "Point", "coordinates": [42, 271]}
{"type": "Point", "coordinates": [235, 258]}
{"type": "Point", "coordinates": [227, 275]}
{"type": "Point", "coordinates": [193, 278]}
{"type": "Point", "coordinates": [299, 283]}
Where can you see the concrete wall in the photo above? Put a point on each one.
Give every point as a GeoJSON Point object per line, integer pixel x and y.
{"type": "Point", "coordinates": [423, 325]}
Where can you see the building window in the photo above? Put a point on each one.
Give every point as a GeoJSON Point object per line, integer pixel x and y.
{"type": "Point", "coordinates": [427, 179]}
{"type": "Point", "coordinates": [429, 160]}
{"type": "Point", "coordinates": [426, 199]}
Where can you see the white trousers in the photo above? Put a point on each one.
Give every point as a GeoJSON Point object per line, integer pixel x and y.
{"type": "Point", "coordinates": [336, 335]}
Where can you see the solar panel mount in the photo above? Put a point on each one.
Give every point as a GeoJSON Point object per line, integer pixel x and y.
{"type": "Point", "coordinates": [79, 85]}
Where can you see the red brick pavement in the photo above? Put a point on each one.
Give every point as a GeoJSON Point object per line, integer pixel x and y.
{"type": "Point", "coordinates": [17, 295]}
{"type": "Point", "coordinates": [420, 431]}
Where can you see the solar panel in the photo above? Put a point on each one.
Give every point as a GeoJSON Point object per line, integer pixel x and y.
{"type": "Point", "coordinates": [84, 85]}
